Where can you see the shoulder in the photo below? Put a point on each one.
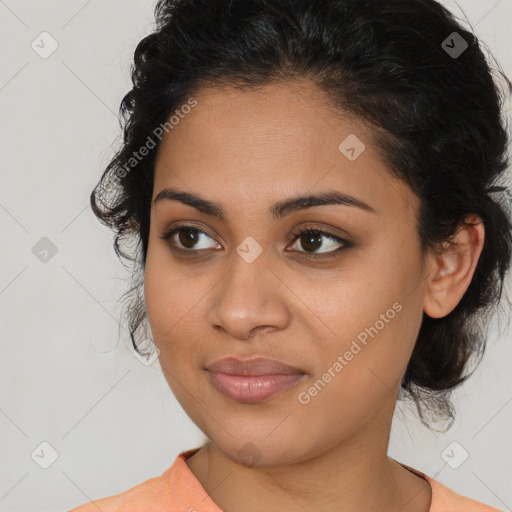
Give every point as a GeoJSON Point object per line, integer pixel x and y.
{"type": "Point", "coordinates": [173, 490]}
{"type": "Point", "coordinates": [447, 500]}
{"type": "Point", "coordinates": [151, 496]}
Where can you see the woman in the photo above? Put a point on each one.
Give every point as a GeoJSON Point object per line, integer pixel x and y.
{"type": "Point", "coordinates": [313, 187]}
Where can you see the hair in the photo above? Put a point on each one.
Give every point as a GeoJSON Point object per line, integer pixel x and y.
{"type": "Point", "coordinates": [436, 119]}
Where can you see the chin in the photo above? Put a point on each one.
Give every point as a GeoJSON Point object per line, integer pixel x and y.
{"type": "Point", "coordinates": [261, 452]}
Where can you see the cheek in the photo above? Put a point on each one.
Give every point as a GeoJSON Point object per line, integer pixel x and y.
{"type": "Point", "coordinates": [157, 295]}
{"type": "Point", "coordinates": [371, 319]}
{"type": "Point", "coordinates": [360, 369]}
{"type": "Point", "coordinates": [165, 292]}
{"type": "Point", "coordinates": [173, 299]}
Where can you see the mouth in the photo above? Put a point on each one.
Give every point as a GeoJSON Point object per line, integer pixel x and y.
{"type": "Point", "coordinates": [252, 380]}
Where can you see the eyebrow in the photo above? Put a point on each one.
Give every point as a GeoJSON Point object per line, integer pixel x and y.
{"type": "Point", "coordinates": [277, 210]}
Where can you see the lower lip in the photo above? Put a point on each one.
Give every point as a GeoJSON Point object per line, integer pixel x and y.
{"type": "Point", "coordinates": [252, 388]}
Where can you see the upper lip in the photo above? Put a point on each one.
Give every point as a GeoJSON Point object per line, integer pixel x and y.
{"type": "Point", "coordinates": [253, 366]}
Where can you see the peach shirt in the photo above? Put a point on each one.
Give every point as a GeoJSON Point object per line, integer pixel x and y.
{"type": "Point", "coordinates": [178, 490]}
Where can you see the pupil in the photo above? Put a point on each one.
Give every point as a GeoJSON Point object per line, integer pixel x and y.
{"type": "Point", "coordinates": [310, 239]}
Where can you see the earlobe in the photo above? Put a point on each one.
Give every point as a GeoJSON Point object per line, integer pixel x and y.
{"type": "Point", "coordinates": [452, 269]}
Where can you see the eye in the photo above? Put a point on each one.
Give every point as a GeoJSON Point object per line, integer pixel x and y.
{"type": "Point", "coordinates": [188, 237]}
{"type": "Point", "coordinates": [311, 240]}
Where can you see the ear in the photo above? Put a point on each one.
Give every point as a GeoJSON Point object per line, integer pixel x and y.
{"type": "Point", "coordinates": [452, 269]}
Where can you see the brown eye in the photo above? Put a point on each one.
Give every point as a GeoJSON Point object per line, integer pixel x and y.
{"type": "Point", "coordinates": [186, 239]}
{"type": "Point", "coordinates": [312, 240]}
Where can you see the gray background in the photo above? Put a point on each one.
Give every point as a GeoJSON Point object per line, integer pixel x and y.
{"type": "Point", "coordinates": [65, 379]}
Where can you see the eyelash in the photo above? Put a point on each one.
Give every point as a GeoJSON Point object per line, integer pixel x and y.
{"type": "Point", "coordinates": [292, 236]}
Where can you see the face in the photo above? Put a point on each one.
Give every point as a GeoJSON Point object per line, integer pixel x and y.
{"type": "Point", "coordinates": [341, 303]}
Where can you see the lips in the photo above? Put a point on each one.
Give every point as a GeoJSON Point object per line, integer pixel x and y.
{"type": "Point", "coordinates": [253, 380]}
{"type": "Point", "coordinates": [253, 366]}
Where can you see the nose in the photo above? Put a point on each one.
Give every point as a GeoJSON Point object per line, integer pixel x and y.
{"type": "Point", "coordinates": [250, 299]}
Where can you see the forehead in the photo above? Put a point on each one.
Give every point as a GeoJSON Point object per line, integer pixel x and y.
{"type": "Point", "coordinates": [278, 140]}
{"type": "Point", "coordinates": [285, 116]}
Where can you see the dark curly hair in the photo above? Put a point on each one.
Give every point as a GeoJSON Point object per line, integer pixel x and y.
{"type": "Point", "coordinates": [436, 116]}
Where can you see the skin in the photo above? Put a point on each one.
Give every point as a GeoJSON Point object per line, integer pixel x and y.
{"type": "Point", "coordinates": [246, 150]}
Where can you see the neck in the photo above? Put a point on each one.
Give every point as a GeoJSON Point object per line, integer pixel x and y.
{"type": "Point", "coordinates": [354, 475]}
